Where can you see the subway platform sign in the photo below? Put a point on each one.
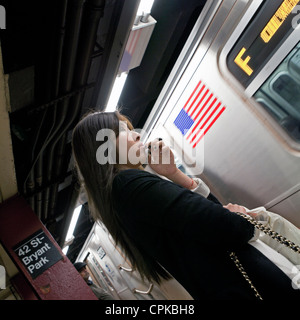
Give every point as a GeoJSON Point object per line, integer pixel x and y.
{"type": "Point", "coordinates": [37, 253]}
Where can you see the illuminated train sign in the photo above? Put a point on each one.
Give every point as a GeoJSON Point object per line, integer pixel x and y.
{"type": "Point", "coordinates": [273, 23]}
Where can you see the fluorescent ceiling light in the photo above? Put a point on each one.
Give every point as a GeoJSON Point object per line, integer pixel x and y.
{"type": "Point", "coordinates": [65, 250]}
{"type": "Point", "coordinates": [116, 92]}
{"type": "Point", "coordinates": [145, 6]}
{"type": "Point", "coordinates": [73, 223]}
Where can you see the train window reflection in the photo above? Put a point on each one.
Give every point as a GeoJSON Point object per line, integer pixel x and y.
{"type": "Point", "coordinates": [280, 94]}
{"type": "Point", "coordinates": [288, 89]}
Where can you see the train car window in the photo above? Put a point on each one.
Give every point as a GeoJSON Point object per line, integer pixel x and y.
{"type": "Point", "coordinates": [266, 32]}
{"type": "Point", "coordinates": [280, 94]}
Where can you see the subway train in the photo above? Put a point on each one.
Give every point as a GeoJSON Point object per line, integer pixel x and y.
{"type": "Point", "coordinates": [230, 111]}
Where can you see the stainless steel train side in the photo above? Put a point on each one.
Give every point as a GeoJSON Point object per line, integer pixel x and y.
{"type": "Point", "coordinates": [248, 157]}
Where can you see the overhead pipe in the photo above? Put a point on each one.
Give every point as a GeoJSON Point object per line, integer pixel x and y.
{"type": "Point", "coordinates": [56, 84]}
{"type": "Point", "coordinates": [65, 69]}
{"type": "Point", "coordinates": [35, 177]}
{"type": "Point", "coordinates": [67, 50]}
{"type": "Point", "coordinates": [54, 93]}
{"type": "Point", "coordinates": [92, 13]}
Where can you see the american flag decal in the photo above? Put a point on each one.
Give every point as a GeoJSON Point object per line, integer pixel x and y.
{"type": "Point", "coordinates": [199, 114]}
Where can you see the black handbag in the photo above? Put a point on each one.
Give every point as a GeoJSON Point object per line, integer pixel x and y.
{"type": "Point", "coordinates": [268, 231]}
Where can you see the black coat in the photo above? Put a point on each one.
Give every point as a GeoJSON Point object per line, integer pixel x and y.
{"type": "Point", "coordinates": [191, 237]}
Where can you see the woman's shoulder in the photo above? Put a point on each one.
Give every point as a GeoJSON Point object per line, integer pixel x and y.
{"type": "Point", "coordinates": [133, 176]}
{"type": "Point", "coordinates": [135, 173]}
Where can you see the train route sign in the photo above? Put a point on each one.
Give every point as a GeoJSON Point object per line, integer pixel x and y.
{"type": "Point", "coordinates": [37, 253]}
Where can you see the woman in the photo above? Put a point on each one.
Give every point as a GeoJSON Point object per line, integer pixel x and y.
{"type": "Point", "coordinates": [163, 227]}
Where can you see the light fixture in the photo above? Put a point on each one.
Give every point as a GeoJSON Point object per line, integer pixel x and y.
{"type": "Point", "coordinates": [116, 92]}
{"type": "Point", "coordinates": [143, 14]}
{"type": "Point", "coordinates": [145, 6]}
{"type": "Point", "coordinates": [144, 11]}
{"type": "Point", "coordinates": [69, 237]}
{"type": "Point", "coordinates": [65, 249]}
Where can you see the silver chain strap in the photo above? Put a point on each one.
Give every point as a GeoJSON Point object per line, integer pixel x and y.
{"type": "Point", "coordinates": [238, 264]}
{"type": "Point", "coordinates": [274, 235]}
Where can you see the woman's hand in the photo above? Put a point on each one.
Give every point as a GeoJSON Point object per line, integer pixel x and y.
{"type": "Point", "coordinates": [161, 158]}
{"type": "Point", "coordinates": [235, 208]}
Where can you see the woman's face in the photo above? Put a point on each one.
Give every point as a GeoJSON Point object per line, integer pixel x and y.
{"type": "Point", "coordinates": [130, 149]}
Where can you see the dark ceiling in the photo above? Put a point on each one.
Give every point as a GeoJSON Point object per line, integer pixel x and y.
{"type": "Point", "coordinates": [59, 55]}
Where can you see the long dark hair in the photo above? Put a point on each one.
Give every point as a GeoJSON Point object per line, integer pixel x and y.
{"type": "Point", "coordinates": [97, 180]}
